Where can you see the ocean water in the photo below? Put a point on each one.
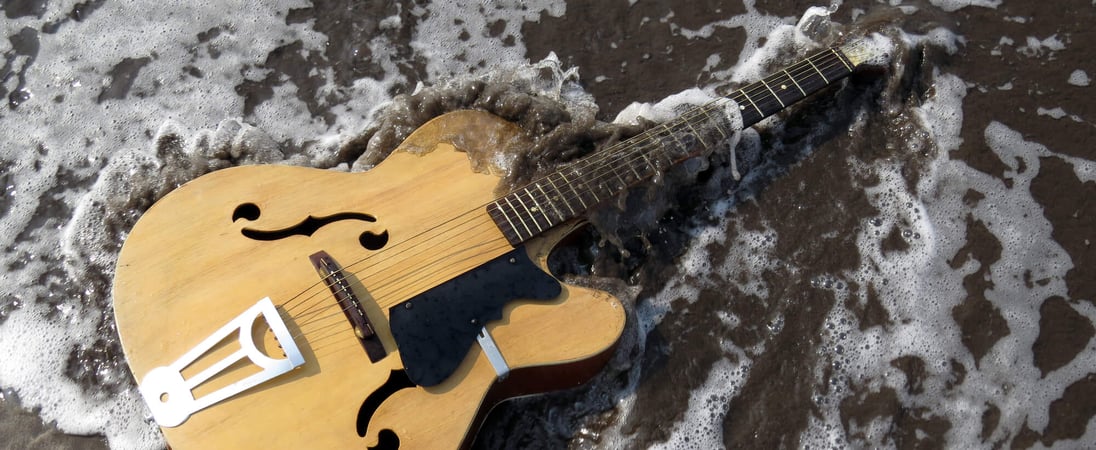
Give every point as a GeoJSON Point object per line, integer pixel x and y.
{"type": "Point", "coordinates": [904, 260]}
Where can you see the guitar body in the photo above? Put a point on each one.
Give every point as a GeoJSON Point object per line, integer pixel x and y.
{"type": "Point", "coordinates": [213, 248]}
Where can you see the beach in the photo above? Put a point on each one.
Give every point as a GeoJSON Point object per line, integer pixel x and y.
{"type": "Point", "coordinates": [902, 260]}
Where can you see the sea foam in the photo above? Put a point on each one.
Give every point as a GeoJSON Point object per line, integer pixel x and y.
{"type": "Point", "coordinates": [124, 104]}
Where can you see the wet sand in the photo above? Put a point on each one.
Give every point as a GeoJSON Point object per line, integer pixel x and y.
{"type": "Point", "coordinates": [822, 193]}
{"type": "Point", "coordinates": [22, 429]}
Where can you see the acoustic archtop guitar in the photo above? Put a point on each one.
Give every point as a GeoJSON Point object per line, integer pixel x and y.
{"type": "Point", "coordinates": [287, 307]}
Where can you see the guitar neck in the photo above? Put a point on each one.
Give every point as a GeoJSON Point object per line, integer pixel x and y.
{"type": "Point", "coordinates": [574, 189]}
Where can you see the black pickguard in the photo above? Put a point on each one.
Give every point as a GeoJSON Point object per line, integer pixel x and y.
{"type": "Point", "coordinates": [435, 329]}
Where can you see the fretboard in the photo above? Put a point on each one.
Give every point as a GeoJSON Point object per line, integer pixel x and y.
{"type": "Point", "coordinates": [577, 187]}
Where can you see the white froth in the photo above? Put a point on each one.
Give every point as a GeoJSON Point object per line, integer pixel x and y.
{"type": "Point", "coordinates": [666, 109]}
{"type": "Point", "coordinates": [938, 37]}
{"type": "Point", "coordinates": [702, 424]}
{"type": "Point", "coordinates": [754, 59]}
{"type": "Point", "coordinates": [1054, 113]}
{"type": "Point", "coordinates": [439, 39]}
{"type": "Point", "coordinates": [1035, 47]}
{"type": "Point", "coordinates": [28, 336]}
{"type": "Point", "coordinates": [1079, 78]}
{"type": "Point", "coordinates": [873, 50]}
{"type": "Point", "coordinates": [955, 5]}
{"type": "Point", "coordinates": [757, 26]}
{"type": "Point", "coordinates": [67, 145]}
{"type": "Point", "coordinates": [66, 134]}
{"type": "Point", "coordinates": [943, 115]}
{"type": "Point", "coordinates": [108, 145]}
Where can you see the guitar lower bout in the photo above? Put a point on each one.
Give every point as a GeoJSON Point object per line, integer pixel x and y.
{"type": "Point", "coordinates": [191, 275]}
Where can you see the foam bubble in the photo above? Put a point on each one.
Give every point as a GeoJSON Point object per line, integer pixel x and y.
{"type": "Point", "coordinates": [1079, 78]}
{"type": "Point", "coordinates": [113, 120]}
{"type": "Point", "coordinates": [461, 37]}
{"type": "Point", "coordinates": [955, 5]}
{"type": "Point", "coordinates": [702, 424]}
{"type": "Point", "coordinates": [1054, 113]}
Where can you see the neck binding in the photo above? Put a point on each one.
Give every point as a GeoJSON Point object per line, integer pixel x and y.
{"type": "Point", "coordinates": [572, 190]}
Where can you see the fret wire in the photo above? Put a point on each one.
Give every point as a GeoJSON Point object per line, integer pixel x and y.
{"type": "Point", "coordinates": [602, 184]}
{"type": "Point", "coordinates": [777, 88]}
{"type": "Point", "coordinates": [506, 230]}
{"type": "Point", "coordinates": [775, 79]}
{"type": "Point", "coordinates": [668, 132]}
{"type": "Point", "coordinates": [708, 115]}
{"type": "Point", "coordinates": [642, 162]}
{"type": "Point", "coordinates": [577, 194]}
{"type": "Point", "coordinates": [516, 195]}
{"type": "Point", "coordinates": [669, 158]}
{"type": "Point", "coordinates": [507, 216]}
{"type": "Point", "coordinates": [520, 217]}
{"type": "Point", "coordinates": [548, 199]}
{"type": "Point", "coordinates": [796, 83]}
{"type": "Point", "coordinates": [767, 104]}
{"type": "Point", "coordinates": [810, 80]}
{"type": "Point", "coordinates": [649, 137]}
{"type": "Point", "coordinates": [635, 172]}
{"type": "Point", "coordinates": [647, 161]}
{"type": "Point", "coordinates": [759, 111]}
{"type": "Point", "coordinates": [839, 58]}
{"type": "Point", "coordinates": [819, 71]}
{"type": "Point", "coordinates": [544, 212]}
{"type": "Point", "coordinates": [718, 122]}
{"type": "Point", "coordinates": [592, 192]}
{"type": "Point", "coordinates": [699, 137]}
{"type": "Point", "coordinates": [782, 105]}
{"type": "Point", "coordinates": [562, 195]}
{"type": "Point", "coordinates": [532, 211]}
{"type": "Point", "coordinates": [585, 185]}
{"type": "Point", "coordinates": [805, 76]}
{"type": "Point", "coordinates": [678, 141]}
{"type": "Point", "coordinates": [782, 80]}
{"type": "Point", "coordinates": [611, 175]}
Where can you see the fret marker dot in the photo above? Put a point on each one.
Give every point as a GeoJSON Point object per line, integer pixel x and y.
{"type": "Point", "coordinates": [783, 86]}
{"type": "Point", "coordinates": [742, 107]}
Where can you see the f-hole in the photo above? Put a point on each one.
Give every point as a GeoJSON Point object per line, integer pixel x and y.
{"type": "Point", "coordinates": [387, 439]}
{"type": "Point", "coordinates": [369, 240]}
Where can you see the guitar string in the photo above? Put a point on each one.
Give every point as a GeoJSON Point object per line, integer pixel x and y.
{"type": "Point", "coordinates": [656, 135]}
{"type": "Point", "coordinates": [374, 293]}
{"type": "Point", "coordinates": [415, 240]}
{"type": "Point", "coordinates": [418, 239]}
{"type": "Point", "coordinates": [627, 150]}
{"type": "Point", "coordinates": [377, 285]}
{"type": "Point", "coordinates": [659, 134]}
{"type": "Point", "coordinates": [377, 291]}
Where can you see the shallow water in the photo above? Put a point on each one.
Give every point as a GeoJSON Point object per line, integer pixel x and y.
{"type": "Point", "coordinates": [907, 260]}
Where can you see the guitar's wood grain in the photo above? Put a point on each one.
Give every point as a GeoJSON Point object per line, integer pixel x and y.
{"type": "Point", "coordinates": [186, 269]}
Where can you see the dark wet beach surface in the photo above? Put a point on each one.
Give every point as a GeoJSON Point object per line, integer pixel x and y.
{"type": "Point", "coordinates": [809, 196]}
